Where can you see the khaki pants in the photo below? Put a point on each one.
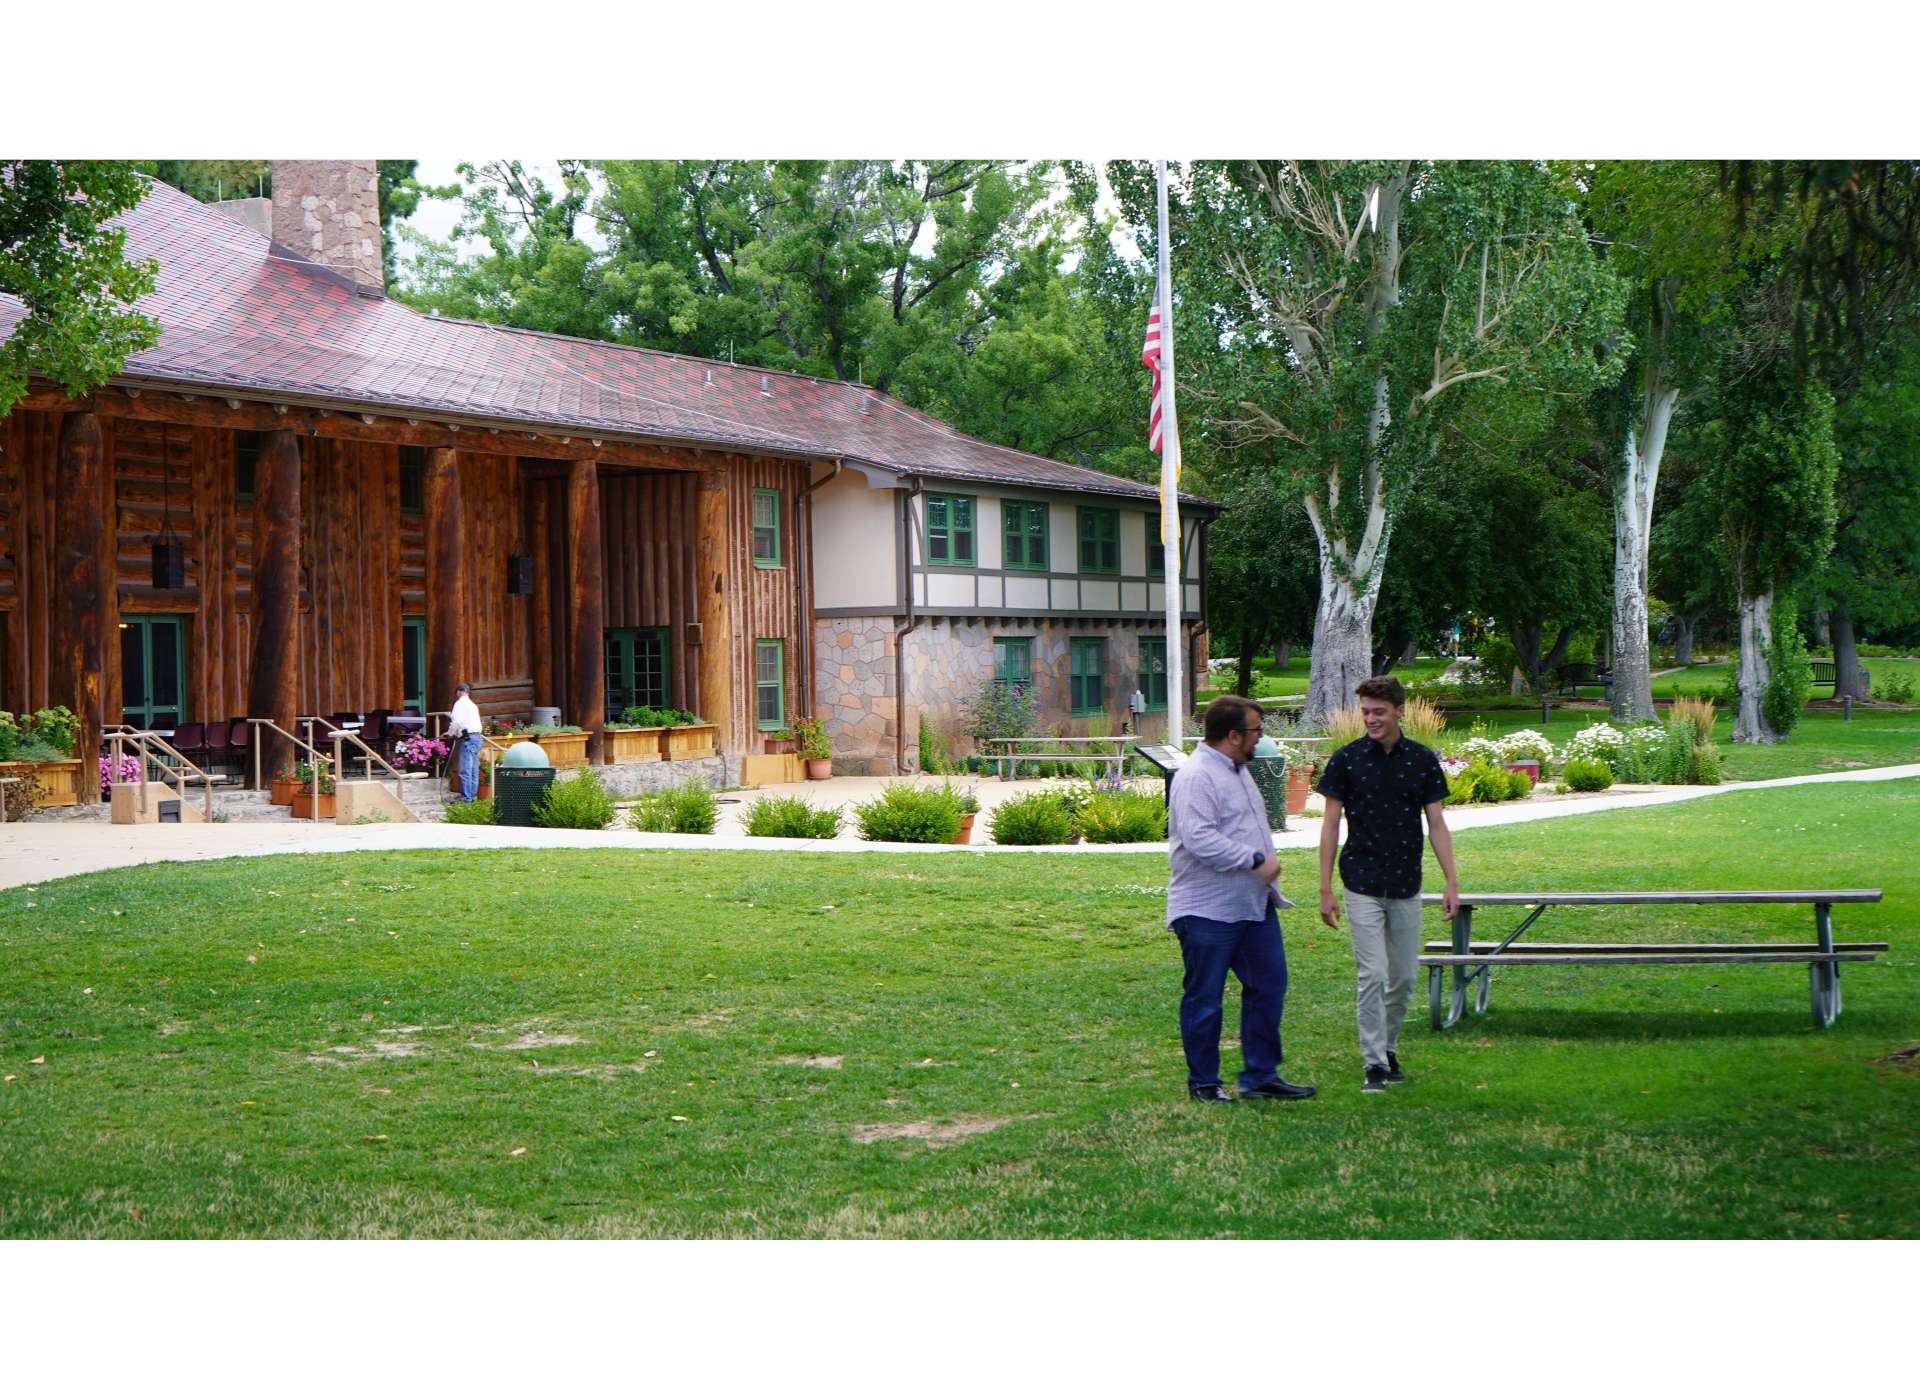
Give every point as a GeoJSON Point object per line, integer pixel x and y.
{"type": "Point", "coordinates": [1386, 955]}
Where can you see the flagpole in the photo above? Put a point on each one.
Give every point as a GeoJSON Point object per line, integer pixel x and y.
{"type": "Point", "coordinates": [1174, 583]}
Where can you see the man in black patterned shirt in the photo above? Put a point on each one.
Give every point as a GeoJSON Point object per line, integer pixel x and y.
{"type": "Point", "coordinates": [1381, 783]}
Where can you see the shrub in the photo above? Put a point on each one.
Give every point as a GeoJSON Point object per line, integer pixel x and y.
{"type": "Point", "coordinates": [580, 803]}
{"type": "Point", "coordinates": [1790, 674]}
{"type": "Point", "coordinates": [1588, 775]}
{"type": "Point", "coordinates": [1109, 818]}
{"type": "Point", "coordinates": [34, 749]}
{"type": "Point", "coordinates": [476, 813]}
{"type": "Point", "coordinates": [812, 734]}
{"type": "Point", "coordinates": [57, 728]}
{"type": "Point", "coordinates": [933, 753]}
{"type": "Point", "coordinates": [1000, 710]}
{"type": "Point", "coordinates": [9, 736]}
{"type": "Point", "coordinates": [1424, 722]}
{"type": "Point", "coordinates": [1519, 785]}
{"type": "Point", "coordinates": [1038, 819]}
{"type": "Point", "coordinates": [791, 816]}
{"type": "Point", "coordinates": [1596, 742]}
{"type": "Point", "coordinates": [21, 798]}
{"type": "Point", "coordinates": [1897, 689]}
{"type": "Point", "coordinates": [1697, 714]}
{"type": "Point", "coordinates": [690, 809]}
{"type": "Point", "coordinates": [1344, 726]}
{"type": "Point", "coordinates": [1479, 781]}
{"type": "Point", "coordinates": [903, 812]}
{"type": "Point", "coordinates": [1479, 749]}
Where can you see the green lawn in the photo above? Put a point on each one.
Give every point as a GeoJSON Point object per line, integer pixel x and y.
{"type": "Point", "coordinates": [611, 1043]}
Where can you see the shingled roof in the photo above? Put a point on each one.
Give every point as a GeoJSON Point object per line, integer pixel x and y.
{"type": "Point", "coordinates": [240, 313]}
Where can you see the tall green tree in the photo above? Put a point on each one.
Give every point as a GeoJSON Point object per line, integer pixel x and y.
{"type": "Point", "coordinates": [64, 256]}
{"type": "Point", "coordinates": [1345, 309]}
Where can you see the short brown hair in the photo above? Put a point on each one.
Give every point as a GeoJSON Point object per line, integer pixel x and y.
{"type": "Point", "coordinates": [1382, 688]}
{"type": "Point", "coordinates": [1226, 714]}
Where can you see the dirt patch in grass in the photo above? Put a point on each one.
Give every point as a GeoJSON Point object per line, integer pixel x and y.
{"type": "Point", "coordinates": [936, 1134]}
{"type": "Point", "coordinates": [1907, 1059]}
{"type": "Point", "coordinates": [530, 1040]}
{"type": "Point", "coordinates": [375, 1050]}
{"type": "Point", "coordinates": [589, 1071]}
{"type": "Point", "coordinates": [813, 1061]}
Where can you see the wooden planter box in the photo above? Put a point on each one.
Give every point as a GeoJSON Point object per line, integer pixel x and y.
{"type": "Point", "coordinates": [635, 745]}
{"type": "Point", "coordinates": [303, 805]}
{"type": "Point", "coordinates": [782, 745]}
{"type": "Point", "coordinates": [563, 750]}
{"type": "Point", "coordinates": [282, 791]}
{"type": "Point", "coordinates": [59, 782]}
{"type": "Point", "coordinates": [687, 741]}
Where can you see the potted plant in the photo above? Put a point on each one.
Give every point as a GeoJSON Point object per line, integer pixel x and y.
{"type": "Point", "coordinates": [969, 806]}
{"type": "Point", "coordinates": [39, 748]}
{"type": "Point", "coordinates": [314, 791]}
{"type": "Point", "coordinates": [686, 735]}
{"type": "Point", "coordinates": [283, 784]}
{"type": "Point", "coordinates": [417, 753]}
{"type": "Point", "coordinates": [636, 738]}
{"type": "Point", "coordinates": [781, 741]}
{"type": "Point", "coordinates": [1299, 780]}
{"type": "Point", "coordinates": [814, 748]}
{"type": "Point", "coordinates": [129, 772]}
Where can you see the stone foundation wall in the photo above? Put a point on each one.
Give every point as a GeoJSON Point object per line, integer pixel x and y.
{"type": "Point", "coordinates": [853, 691]}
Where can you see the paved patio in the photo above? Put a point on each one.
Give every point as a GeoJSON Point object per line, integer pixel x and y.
{"type": "Point", "coordinates": [31, 852]}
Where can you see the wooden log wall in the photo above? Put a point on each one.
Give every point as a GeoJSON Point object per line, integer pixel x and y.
{"type": "Point", "coordinates": [764, 605]}
{"type": "Point", "coordinates": [647, 525]}
{"type": "Point", "coordinates": [29, 452]}
{"type": "Point", "coordinates": [497, 646]}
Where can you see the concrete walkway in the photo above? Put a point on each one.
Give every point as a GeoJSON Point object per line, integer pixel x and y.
{"type": "Point", "coordinates": [34, 851]}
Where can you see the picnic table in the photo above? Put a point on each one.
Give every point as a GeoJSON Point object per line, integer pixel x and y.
{"type": "Point", "coordinates": [1470, 961]}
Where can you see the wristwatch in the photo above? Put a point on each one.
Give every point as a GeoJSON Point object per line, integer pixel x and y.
{"type": "Point", "coordinates": [1258, 860]}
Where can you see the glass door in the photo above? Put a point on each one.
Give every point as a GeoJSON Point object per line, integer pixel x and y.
{"type": "Point", "coordinates": [152, 671]}
{"type": "Point", "coordinates": [637, 671]}
{"type": "Point", "coordinates": [413, 663]}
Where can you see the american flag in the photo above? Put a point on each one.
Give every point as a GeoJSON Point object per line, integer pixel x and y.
{"type": "Point", "coordinates": [1150, 357]}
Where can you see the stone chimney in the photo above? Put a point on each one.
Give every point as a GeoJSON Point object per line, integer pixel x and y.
{"type": "Point", "coordinates": [329, 211]}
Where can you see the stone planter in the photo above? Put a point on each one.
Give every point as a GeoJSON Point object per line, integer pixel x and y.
{"type": "Point", "coordinates": [282, 792]}
{"type": "Point", "coordinates": [303, 806]}
{"type": "Point", "coordinates": [635, 745]}
{"type": "Point", "coordinates": [59, 781]}
{"type": "Point", "coordinates": [563, 750]}
{"type": "Point", "coordinates": [965, 838]}
{"type": "Point", "coordinates": [687, 741]}
{"type": "Point", "coordinates": [819, 769]}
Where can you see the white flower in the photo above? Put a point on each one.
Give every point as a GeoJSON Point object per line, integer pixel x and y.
{"type": "Point", "coordinates": [1526, 743]}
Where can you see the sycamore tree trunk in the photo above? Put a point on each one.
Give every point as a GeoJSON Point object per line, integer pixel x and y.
{"type": "Point", "coordinates": [1756, 637]}
{"type": "Point", "coordinates": [1635, 477]}
{"type": "Point", "coordinates": [1282, 654]}
{"type": "Point", "coordinates": [1243, 672]}
{"type": "Point", "coordinates": [1846, 655]}
{"type": "Point", "coordinates": [1342, 641]}
{"type": "Point", "coordinates": [1683, 625]}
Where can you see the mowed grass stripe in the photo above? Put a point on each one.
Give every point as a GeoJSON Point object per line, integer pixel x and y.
{"type": "Point", "coordinates": [992, 1044]}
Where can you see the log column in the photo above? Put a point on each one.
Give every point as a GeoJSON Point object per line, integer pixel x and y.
{"type": "Point", "coordinates": [586, 609]}
{"type": "Point", "coordinates": [273, 683]}
{"type": "Point", "coordinates": [446, 580]}
{"type": "Point", "coordinates": [715, 700]}
{"type": "Point", "coordinates": [83, 598]}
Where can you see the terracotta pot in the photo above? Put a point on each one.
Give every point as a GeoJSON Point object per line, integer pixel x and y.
{"type": "Point", "coordinates": [282, 791]}
{"type": "Point", "coordinates": [965, 838]}
{"type": "Point", "coordinates": [303, 805]}
{"type": "Point", "coordinates": [819, 768]}
{"type": "Point", "coordinates": [1299, 786]}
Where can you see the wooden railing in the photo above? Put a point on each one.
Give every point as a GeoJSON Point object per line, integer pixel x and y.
{"type": "Point", "coordinates": [154, 755]}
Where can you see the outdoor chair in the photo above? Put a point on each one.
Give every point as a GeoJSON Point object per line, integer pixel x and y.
{"type": "Point", "coordinates": [374, 733]}
{"type": "Point", "coordinates": [239, 744]}
{"type": "Point", "coordinates": [190, 742]}
{"type": "Point", "coordinates": [215, 742]}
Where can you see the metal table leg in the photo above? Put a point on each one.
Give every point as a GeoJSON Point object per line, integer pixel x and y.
{"type": "Point", "coordinates": [1457, 1003]}
{"type": "Point", "coordinates": [1823, 978]}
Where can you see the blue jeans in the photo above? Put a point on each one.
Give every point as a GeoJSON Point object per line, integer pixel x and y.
{"type": "Point", "coordinates": [469, 755]}
{"type": "Point", "coordinates": [1255, 954]}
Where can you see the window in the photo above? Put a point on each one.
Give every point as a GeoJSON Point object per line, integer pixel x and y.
{"type": "Point", "coordinates": [246, 454]}
{"type": "Point", "coordinates": [413, 480]}
{"type": "Point", "coordinates": [1013, 660]}
{"type": "Point", "coordinates": [769, 683]}
{"type": "Point", "coordinates": [1156, 551]}
{"type": "Point", "coordinates": [1153, 671]}
{"type": "Point", "coordinates": [1099, 540]}
{"type": "Point", "coordinates": [950, 529]}
{"type": "Point", "coordinates": [766, 529]}
{"type": "Point", "coordinates": [152, 671]}
{"type": "Point", "coordinates": [1026, 534]}
{"type": "Point", "coordinates": [1089, 675]}
{"type": "Point", "coordinates": [413, 664]}
{"type": "Point", "coordinates": [636, 669]}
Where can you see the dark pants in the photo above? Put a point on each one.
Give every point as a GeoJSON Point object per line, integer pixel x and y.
{"type": "Point", "coordinates": [1254, 952]}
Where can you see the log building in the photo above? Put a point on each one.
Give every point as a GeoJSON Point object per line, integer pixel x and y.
{"type": "Point", "coordinates": [309, 499]}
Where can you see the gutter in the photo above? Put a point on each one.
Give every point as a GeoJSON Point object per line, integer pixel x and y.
{"type": "Point", "coordinates": [907, 493]}
{"type": "Point", "coordinates": [803, 589]}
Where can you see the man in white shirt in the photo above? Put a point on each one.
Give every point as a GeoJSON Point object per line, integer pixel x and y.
{"type": "Point", "coordinates": [463, 732]}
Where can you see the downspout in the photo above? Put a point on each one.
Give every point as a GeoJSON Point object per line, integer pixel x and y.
{"type": "Point", "coordinates": [907, 493]}
{"type": "Point", "coordinates": [803, 589]}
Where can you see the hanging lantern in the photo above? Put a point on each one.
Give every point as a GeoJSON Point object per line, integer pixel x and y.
{"type": "Point", "coordinates": [169, 550]}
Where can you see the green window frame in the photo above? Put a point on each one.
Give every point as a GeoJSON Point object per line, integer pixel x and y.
{"type": "Point", "coordinates": [1024, 528]}
{"type": "Point", "coordinates": [413, 481]}
{"type": "Point", "coordinates": [639, 669]}
{"type": "Point", "coordinates": [413, 664]}
{"type": "Point", "coordinates": [766, 529]}
{"type": "Point", "coordinates": [769, 683]}
{"type": "Point", "coordinates": [246, 455]}
{"type": "Point", "coordinates": [1099, 540]}
{"type": "Point", "coordinates": [1156, 551]}
{"type": "Point", "coordinates": [950, 532]}
{"type": "Point", "coordinates": [153, 670]}
{"type": "Point", "coordinates": [1153, 673]}
{"type": "Point", "coordinates": [1013, 660]}
{"type": "Point", "coordinates": [1089, 675]}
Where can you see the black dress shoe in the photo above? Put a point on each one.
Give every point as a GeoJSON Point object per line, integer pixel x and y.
{"type": "Point", "coordinates": [1213, 1093]}
{"type": "Point", "coordinates": [1278, 1088]}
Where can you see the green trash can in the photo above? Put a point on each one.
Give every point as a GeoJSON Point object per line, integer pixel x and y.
{"type": "Point", "coordinates": [1269, 769]}
{"type": "Point", "coordinates": [520, 779]}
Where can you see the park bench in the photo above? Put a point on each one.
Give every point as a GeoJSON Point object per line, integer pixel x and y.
{"type": "Point", "coordinates": [1110, 752]}
{"type": "Point", "coordinates": [1568, 678]}
{"type": "Point", "coordinates": [1470, 961]}
{"type": "Point", "coordinates": [1827, 673]}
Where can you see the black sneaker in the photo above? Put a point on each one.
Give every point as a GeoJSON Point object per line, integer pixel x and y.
{"type": "Point", "coordinates": [1394, 1076]}
{"type": "Point", "coordinates": [1376, 1080]}
{"type": "Point", "coordinates": [1213, 1093]}
{"type": "Point", "coordinates": [1278, 1088]}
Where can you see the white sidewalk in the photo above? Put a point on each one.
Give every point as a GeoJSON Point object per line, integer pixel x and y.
{"type": "Point", "coordinates": [34, 851]}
